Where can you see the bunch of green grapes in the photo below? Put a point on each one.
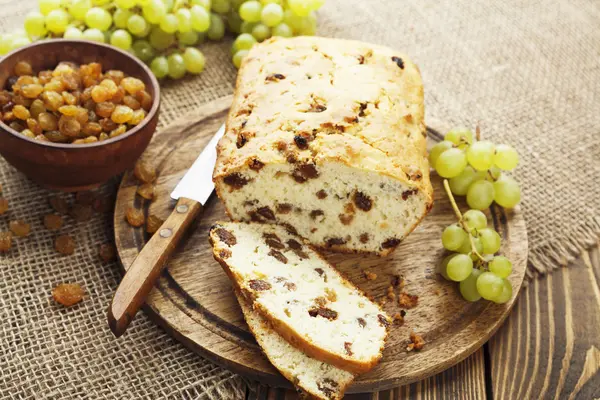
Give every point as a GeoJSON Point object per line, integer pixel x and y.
{"type": "Point", "coordinates": [475, 169]}
{"type": "Point", "coordinates": [164, 33]}
{"type": "Point", "coordinates": [473, 261]}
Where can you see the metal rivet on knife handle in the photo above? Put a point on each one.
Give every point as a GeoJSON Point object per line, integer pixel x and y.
{"type": "Point", "coordinates": [165, 233]}
{"type": "Point", "coordinates": [181, 209]}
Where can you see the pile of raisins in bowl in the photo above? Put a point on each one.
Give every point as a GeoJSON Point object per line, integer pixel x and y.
{"type": "Point", "coordinates": [73, 104]}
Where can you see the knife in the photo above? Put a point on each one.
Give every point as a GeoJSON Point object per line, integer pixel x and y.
{"type": "Point", "coordinates": [191, 194]}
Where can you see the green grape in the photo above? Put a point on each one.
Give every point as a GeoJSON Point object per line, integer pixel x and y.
{"type": "Point", "coordinates": [142, 2]}
{"type": "Point", "coordinates": [459, 267]}
{"type": "Point", "coordinates": [494, 173]}
{"type": "Point", "coordinates": [202, 3]}
{"type": "Point", "coordinates": [239, 57]}
{"type": "Point", "coordinates": [18, 42]}
{"type": "Point", "coordinates": [120, 18]}
{"type": "Point", "coordinates": [216, 31]}
{"type": "Point", "coordinates": [121, 39]}
{"type": "Point", "coordinates": [200, 18]}
{"type": "Point", "coordinates": [441, 268]}
{"type": "Point", "coordinates": [137, 25]}
{"type": "Point", "coordinates": [481, 155]}
{"type": "Point", "coordinates": [143, 50]}
{"type": "Point", "coordinates": [194, 60]}
{"type": "Point", "coordinates": [160, 67]}
{"type": "Point", "coordinates": [507, 192]}
{"type": "Point", "coordinates": [93, 34]}
{"type": "Point", "coordinates": [261, 32]}
{"type": "Point", "coordinates": [451, 163]}
{"type": "Point", "coordinates": [247, 27]}
{"type": "Point", "coordinates": [250, 11]}
{"type": "Point", "coordinates": [100, 2]}
{"type": "Point", "coordinates": [480, 195]}
{"type": "Point", "coordinates": [475, 220]}
{"type": "Point", "coordinates": [168, 5]}
{"type": "Point", "coordinates": [282, 30]}
{"type": "Point", "coordinates": [506, 157]}
{"type": "Point", "coordinates": [184, 20]}
{"type": "Point", "coordinates": [315, 4]}
{"type": "Point", "coordinates": [79, 8]}
{"type": "Point", "coordinates": [468, 287]}
{"type": "Point", "coordinates": [271, 14]}
{"type": "Point", "coordinates": [466, 248]}
{"type": "Point", "coordinates": [500, 266]}
{"type": "Point", "coordinates": [125, 4]}
{"type": "Point", "coordinates": [160, 39]}
{"type": "Point", "coordinates": [107, 36]}
{"type": "Point", "coordinates": [490, 239]}
{"type": "Point", "coordinates": [506, 293]}
{"type": "Point", "coordinates": [221, 6]}
{"type": "Point", "coordinates": [176, 66]}
{"type": "Point", "coordinates": [265, 2]}
{"type": "Point", "coordinates": [459, 136]}
{"type": "Point", "coordinates": [453, 237]}
{"type": "Point", "coordinates": [188, 38]}
{"type": "Point", "coordinates": [245, 41]}
{"type": "Point", "coordinates": [98, 18]}
{"type": "Point", "coordinates": [309, 25]}
{"type": "Point", "coordinates": [234, 22]}
{"type": "Point", "coordinates": [489, 285]}
{"type": "Point", "coordinates": [460, 184]}
{"type": "Point", "coordinates": [292, 20]}
{"type": "Point", "coordinates": [169, 23]}
{"type": "Point", "coordinates": [48, 5]}
{"type": "Point", "coordinates": [299, 7]}
{"type": "Point", "coordinates": [438, 149]}
{"type": "Point", "coordinates": [57, 21]}
{"type": "Point", "coordinates": [5, 43]}
{"type": "Point", "coordinates": [154, 11]}
{"type": "Point", "coordinates": [35, 24]}
{"type": "Point", "coordinates": [73, 33]}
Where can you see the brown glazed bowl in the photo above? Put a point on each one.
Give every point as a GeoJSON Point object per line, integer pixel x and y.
{"type": "Point", "coordinates": [71, 167]}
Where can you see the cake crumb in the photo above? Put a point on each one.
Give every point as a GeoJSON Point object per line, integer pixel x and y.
{"type": "Point", "coordinates": [370, 276]}
{"type": "Point", "coordinates": [417, 342]}
{"type": "Point", "coordinates": [390, 293]}
{"type": "Point", "coordinates": [406, 300]}
{"type": "Point", "coordinates": [398, 319]}
{"type": "Point", "coordinates": [436, 292]}
{"type": "Point", "coordinates": [398, 281]}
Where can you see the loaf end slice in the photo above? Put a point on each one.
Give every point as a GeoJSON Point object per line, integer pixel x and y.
{"type": "Point", "coordinates": [318, 379]}
{"type": "Point", "coordinates": [303, 297]}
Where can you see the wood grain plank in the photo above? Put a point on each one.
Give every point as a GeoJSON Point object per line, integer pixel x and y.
{"type": "Point", "coordinates": [466, 380]}
{"type": "Point", "coordinates": [549, 346]}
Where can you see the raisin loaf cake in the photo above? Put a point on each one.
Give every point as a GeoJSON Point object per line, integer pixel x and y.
{"type": "Point", "coordinates": [327, 137]}
{"type": "Point", "coordinates": [318, 379]}
{"type": "Point", "coordinates": [304, 298]}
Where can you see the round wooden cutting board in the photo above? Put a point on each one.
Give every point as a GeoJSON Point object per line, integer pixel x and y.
{"type": "Point", "coordinates": [193, 299]}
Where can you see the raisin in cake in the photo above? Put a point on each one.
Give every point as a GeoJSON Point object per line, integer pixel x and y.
{"type": "Point", "coordinates": [304, 298]}
{"type": "Point", "coordinates": [318, 379]}
{"type": "Point", "coordinates": [327, 136]}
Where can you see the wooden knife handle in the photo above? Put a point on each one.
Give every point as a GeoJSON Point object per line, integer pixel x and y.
{"type": "Point", "coordinates": [147, 266]}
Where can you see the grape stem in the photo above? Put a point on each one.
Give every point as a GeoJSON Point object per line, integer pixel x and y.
{"type": "Point", "coordinates": [477, 132]}
{"type": "Point", "coordinates": [461, 220]}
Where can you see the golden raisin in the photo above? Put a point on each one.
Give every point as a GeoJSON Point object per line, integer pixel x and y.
{"type": "Point", "coordinates": [107, 252]}
{"type": "Point", "coordinates": [55, 85]}
{"type": "Point", "coordinates": [53, 222]}
{"type": "Point", "coordinates": [3, 205]}
{"type": "Point", "coordinates": [68, 294]}
{"type": "Point", "coordinates": [105, 109]}
{"type": "Point", "coordinates": [23, 68]}
{"type": "Point", "coordinates": [62, 69]}
{"type": "Point", "coordinates": [81, 212]}
{"type": "Point", "coordinates": [108, 125]}
{"type": "Point", "coordinates": [86, 95]}
{"type": "Point", "coordinates": [110, 86]}
{"type": "Point", "coordinates": [144, 172]}
{"type": "Point", "coordinates": [90, 139]}
{"type": "Point", "coordinates": [154, 223]}
{"type": "Point", "coordinates": [21, 112]}
{"type": "Point", "coordinates": [131, 102]}
{"type": "Point", "coordinates": [45, 77]}
{"type": "Point", "coordinates": [121, 129]}
{"type": "Point", "coordinates": [78, 141]}
{"type": "Point", "coordinates": [69, 111]}
{"type": "Point", "coordinates": [17, 126]}
{"type": "Point", "coordinates": [48, 121]}
{"type": "Point", "coordinates": [137, 117]}
{"type": "Point", "coordinates": [52, 100]}
{"type": "Point", "coordinates": [34, 126]}
{"type": "Point", "coordinates": [132, 85]}
{"type": "Point", "coordinates": [41, 138]}
{"type": "Point", "coordinates": [32, 91]}
{"type": "Point", "coordinates": [145, 99]}
{"type": "Point", "coordinates": [69, 126]}
{"type": "Point", "coordinates": [37, 107]}
{"type": "Point", "coordinates": [5, 241]}
{"type": "Point", "coordinates": [100, 94]}
{"type": "Point", "coordinates": [64, 244]}
{"type": "Point", "coordinates": [121, 114]}
{"type": "Point", "coordinates": [69, 99]}
{"type": "Point", "coordinates": [59, 204]}
{"type": "Point", "coordinates": [134, 217]}
{"type": "Point", "coordinates": [81, 115]}
{"type": "Point", "coordinates": [118, 96]}
{"type": "Point", "coordinates": [21, 100]}
{"type": "Point", "coordinates": [28, 133]}
{"type": "Point", "coordinates": [55, 137]}
{"type": "Point", "coordinates": [146, 191]}
{"type": "Point", "coordinates": [19, 228]}
{"type": "Point", "coordinates": [103, 136]}
{"type": "Point", "coordinates": [115, 76]}
{"type": "Point", "coordinates": [92, 129]}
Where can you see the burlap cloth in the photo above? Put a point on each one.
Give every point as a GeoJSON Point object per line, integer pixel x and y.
{"type": "Point", "coordinates": [529, 72]}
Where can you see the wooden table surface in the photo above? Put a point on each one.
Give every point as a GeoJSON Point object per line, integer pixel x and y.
{"type": "Point", "coordinates": [549, 348]}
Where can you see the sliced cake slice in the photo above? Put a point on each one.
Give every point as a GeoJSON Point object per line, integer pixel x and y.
{"type": "Point", "coordinates": [304, 297]}
{"type": "Point", "coordinates": [318, 379]}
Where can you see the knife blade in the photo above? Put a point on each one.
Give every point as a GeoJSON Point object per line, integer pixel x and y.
{"type": "Point", "coordinates": [197, 182]}
{"type": "Point", "coordinates": [191, 194]}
